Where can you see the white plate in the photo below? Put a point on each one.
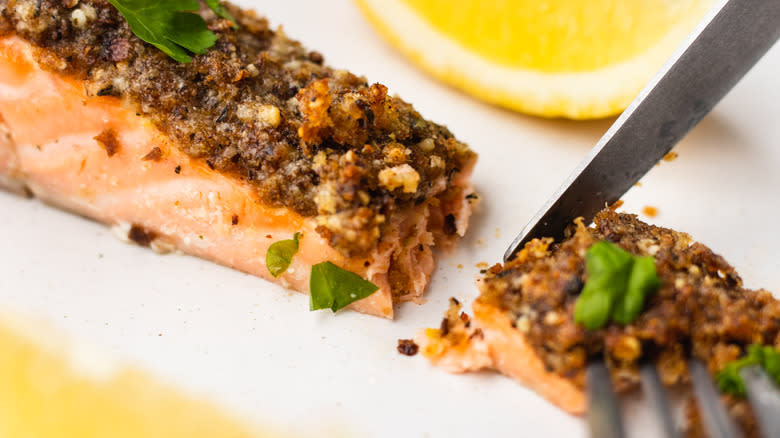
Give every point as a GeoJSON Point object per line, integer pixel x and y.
{"type": "Point", "coordinates": [257, 349]}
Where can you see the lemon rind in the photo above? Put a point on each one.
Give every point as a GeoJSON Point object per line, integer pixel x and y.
{"type": "Point", "coordinates": [580, 95]}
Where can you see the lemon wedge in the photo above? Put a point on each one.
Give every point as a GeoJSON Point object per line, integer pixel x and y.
{"type": "Point", "coordinates": [554, 58]}
{"type": "Point", "coordinates": [54, 388]}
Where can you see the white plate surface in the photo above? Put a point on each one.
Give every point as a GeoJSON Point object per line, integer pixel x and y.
{"type": "Point", "coordinates": [256, 348]}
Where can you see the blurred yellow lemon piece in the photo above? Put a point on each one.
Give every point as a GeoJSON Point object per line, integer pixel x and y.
{"type": "Point", "coordinates": [555, 58]}
{"type": "Point", "coordinates": [52, 388]}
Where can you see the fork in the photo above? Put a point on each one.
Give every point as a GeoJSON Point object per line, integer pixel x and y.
{"type": "Point", "coordinates": [733, 36]}
{"type": "Point", "coordinates": [605, 419]}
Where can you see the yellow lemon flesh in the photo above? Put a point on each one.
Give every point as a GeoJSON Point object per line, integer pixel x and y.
{"type": "Point", "coordinates": [51, 388]}
{"type": "Point", "coordinates": [556, 58]}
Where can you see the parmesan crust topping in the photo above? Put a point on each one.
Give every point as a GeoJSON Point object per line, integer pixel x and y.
{"type": "Point", "coordinates": [258, 105]}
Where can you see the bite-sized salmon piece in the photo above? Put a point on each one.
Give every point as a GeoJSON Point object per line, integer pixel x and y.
{"type": "Point", "coordinates": [524, 324]}
{"type": "Point", "coordinates": [252, 142]}
{"type": "Point", "coordinates": [490, 341]}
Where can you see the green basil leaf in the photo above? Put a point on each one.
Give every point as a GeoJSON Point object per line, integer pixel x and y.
{"type": "Point", "coordinates": [605, 258]}
{"type": "Point", "coordinates": [220, 9]}
{"type": "Point", "coordinates": [729, 380]}
{"type": "Point", "coordinates": [186, 31]}
{"type": "Point", "coordinates": [771, 362]}
{"type": "Point", "coordinates": [608, 267]}
{"type": "Point", "coordinates": [280, 255]}
{"type": "Point", "coordinates": [592, 310]}
{"type": "Point", "coordinates": [331, 287]}
{"type": "Point", "coordinates": [617, 286]}
{"type": "Point", "coordinates": [642, 282]}
{"type": "Point", "coordinates": [172, 26]}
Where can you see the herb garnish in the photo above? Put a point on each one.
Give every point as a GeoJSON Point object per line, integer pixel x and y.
{"type": "Point", "coordinates": [618, 284]}
{"type": "Point", "coordinates": [172, 26]}
{"type": "Point", "coordinates": [331, 287]}
{"type": "Point", "coordinates": [730, 382]}
{"type": "Point", "coordinates": [220, 10]}
{"type": "Point", "coordinates": [280, 254]}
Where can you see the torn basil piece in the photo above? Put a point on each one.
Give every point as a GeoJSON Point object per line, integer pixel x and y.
{"type": "Point", "coordinates": [642, 282]}
{"type": "Point", "coordinates": [220, 10]}
{"type": "Point", "coordinates": [617, 287]}
{"type": "Point", "coordinates": [172, 26]}
{"type": "Point", "coordinates": [280, 255]}
{"type": "Point", "coordinates": [767, 357]}
{"type": "Point", "coordinates": [331, 287]}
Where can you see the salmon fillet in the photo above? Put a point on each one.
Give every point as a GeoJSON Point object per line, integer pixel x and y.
{"type": "Point", "coordinates": [248, 145]}
{"type": "Point", "coordinates": [523, 324]}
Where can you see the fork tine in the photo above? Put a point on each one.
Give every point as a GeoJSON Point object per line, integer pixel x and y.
{"type": "Point", "coordinates": [764, 398]}
{"type": "Point", "coordinates": [659, 402]}
{"type": "Point", "coordinates": [716, 420]}
{"type": "Point", "coordinates": [604, 416]}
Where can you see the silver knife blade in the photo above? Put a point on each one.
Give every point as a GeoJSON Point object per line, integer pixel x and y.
{"type": "Point", "coordinates": [727, 43]}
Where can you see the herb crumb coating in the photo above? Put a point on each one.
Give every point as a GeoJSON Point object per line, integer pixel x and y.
{"type": "Point", "coordinates": [523, 323]}
{"type": "Point", "coordinates": [258, 105]}
{"type": "Point", "coordinates": [700, 310]}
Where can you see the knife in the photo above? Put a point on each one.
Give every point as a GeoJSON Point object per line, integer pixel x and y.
{"type": "Point", "coordinates": [733, 36]}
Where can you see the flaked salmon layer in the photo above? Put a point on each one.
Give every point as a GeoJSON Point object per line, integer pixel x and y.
{"type": "Point", "coordinates": [490, 341]}
{"type": "Point", "coordinates": [97, 157]}
{"type": "Point", "coordinates": [262, 108]}
{"type": "Point", "coordinates": [523, 324]}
